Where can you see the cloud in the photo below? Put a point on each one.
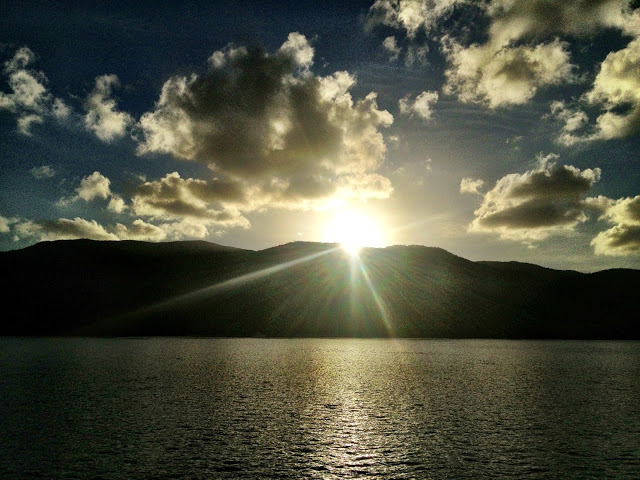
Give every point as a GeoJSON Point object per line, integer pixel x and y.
{"type": "Point", "coordinates": [102, 116]}
{"type": "Point", "coordinates": [409, 15]}
{"type": "Point", "coordinates": [517, 19]}
{"type": "Point", "coordinates": [64, 229]}
{"type": "Point", "coordinates": [416, 54]}
{"type": "Point", "coordinates": [617, 86]}
{"type": "Point", "coordinates": [616, 90]}
{"type": "Point", "coordinates": [45, 171]}
{"type": "Point", "coordinates": [470, 185]}
{"type": "Point", "coordinates": [175, 198]}
{"type": "Point", "coordinates": [266, 124]}
{"type": "Point", "coordinates": [5, 224]}
{"type": "Point", "coordinates": [624, 237]}
{"type": "Point", "coordinates": [140, 230]}
{"type": "Point", "coordinates": [572, 119]}
{"type": "Point", "coordinates": [26, 120]}
{"type": "Point", "coordinates": [71, 229]}
{"type": "Point", "coordinates": [29, 98]}
{"type": "Point", "coordinates": [421, 106]}
{"type": "Point", "coordinates": [536, 204]}
{"type": "Point", "coordinates": [96, 186]}
{"type": "Point", "coordinates": [522, 51]}
{"type": "Point", "coordinates": [500, 76]}
{"type": "Point", "coordinates": [391, 46]}
{"type": "Point", "coordinates": [297, 48]}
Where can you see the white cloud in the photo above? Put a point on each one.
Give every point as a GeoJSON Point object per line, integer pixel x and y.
{"type": "Point", "coordinates": [298, 48]}
{"type": "Point", "coordinates": [409, 15]}
{"type": "Point", "coordinates": [71, 229]}
{"type": "Point", "coordinates": [618, 85]}
{"type": "Point", "coordinates": [624, 237]}
{"type": "Point", "coordinates": [60, 110]}
{"type": "Point", "coordinates": [45, 171]}
{"type": "Point", "coordinates": [29, 98]}
{"type": "Point", "coordinates": [421, 106]}
{"type": "Point", "coordinates": [94, 186]}
{"type": "Point", "coordinates": [5, 224]}
{"type": "Point", "coordinates": [616, 90]}
{"type": "Point", "coordinates": [116, 204]}
{"type": "Point", "coordinates": [522, 51]}
{"type": "Point", "coordinates": [186, 228]}
{"type": "Point", "coordinates": [536, 204]}
{"type": "Point", "coordinates": [140, 230]}
{"type": "Point", "coordinates": [499, 75]}
{"type": "Point", "coordinates": [391, 46]}
{"type": "Point", "coordinates": [572, 119]}
{"type": "Point", "coordinates": [518, 19]}
{"type": "Point", "coordinates": [26, 120]}
{"type": "Point", "coordinates": [63, 229]}
{"type": "Point", "coordinates": [470, 185]}
{"type": "Point", "coordinates": [102, 116]}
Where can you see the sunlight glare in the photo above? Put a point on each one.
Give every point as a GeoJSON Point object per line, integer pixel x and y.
{"type": "Point", "coordinates": [353, 230]}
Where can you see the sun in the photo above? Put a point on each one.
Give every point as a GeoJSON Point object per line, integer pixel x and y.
{"type": "Point", "coordinates": [353, 230]}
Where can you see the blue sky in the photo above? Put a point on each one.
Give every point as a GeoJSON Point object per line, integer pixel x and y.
{"type": "Point", "coordinates": [498, 130]}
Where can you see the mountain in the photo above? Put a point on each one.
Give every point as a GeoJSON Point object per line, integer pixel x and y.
{"type": "Point", "coordinates": [84, 287]}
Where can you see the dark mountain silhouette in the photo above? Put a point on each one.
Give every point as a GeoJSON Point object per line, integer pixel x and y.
{"type": "Point", "coordinates": [85, 287]}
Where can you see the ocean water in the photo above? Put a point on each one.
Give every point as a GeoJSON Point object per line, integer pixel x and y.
{"type": "Point", "coordinates": [318, 408]}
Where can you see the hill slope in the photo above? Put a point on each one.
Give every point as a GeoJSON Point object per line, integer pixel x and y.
{"type": "Point", "coordinates": [85, 287]}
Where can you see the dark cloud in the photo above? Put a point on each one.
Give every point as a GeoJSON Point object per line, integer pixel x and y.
{"type": "Point", "coordinates": [264, 120]}
{"type": "Point", "coordinates": [538, 203]}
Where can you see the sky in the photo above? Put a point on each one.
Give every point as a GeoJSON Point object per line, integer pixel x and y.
{"type": "Point", "coordinates": [497, 130]}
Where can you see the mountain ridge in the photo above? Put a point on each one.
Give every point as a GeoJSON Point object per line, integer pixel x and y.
{"type": "Point", "coordinates": [86, 287]}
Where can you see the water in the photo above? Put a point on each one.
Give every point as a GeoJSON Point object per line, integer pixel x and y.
{"type": "Point", "coordinates": [261, 408]}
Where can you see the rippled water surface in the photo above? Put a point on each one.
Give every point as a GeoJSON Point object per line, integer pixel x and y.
{"type": "Point", "coordinates": [262, 408]}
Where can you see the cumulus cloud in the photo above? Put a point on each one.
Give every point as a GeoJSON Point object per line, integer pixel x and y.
{"type": "Point", "coordinates": [267, 125]}
{"type": "Point", "coordinates": [617, 86]}
{"type": "Point", "coordinates": [522, 51]}
{"type": "Point", "coordinates": [409, 15]}
{"type": "Point", "coordinates": [173, 197]}
{"type": "Point", "coordinates": [624, 237]}
{"type": "Point", "coordinates": [536, 204]}
{"type": "Point", "coordinates": [517, 19]}
{"type": "Point", "coordinates": [29, 98]}
{"type": "Point", "coordinates": [5, 224]}
{"type": "Point", "coordinates": [572, 121]}
{"type": "Point", "coordinates": [103, 117]}
{"type": "Point", "coordinates": [616, 90]}
{"type": "Point", "coordinates": [71, 229]}
{"type": "Point", "coordinates": [391, 46]}
{"type": "Point", "coordinates": [297, 48]}
{"type": "Point", "coordinates": [470, 185]}
{"type": "Point", "coordinates": [45, 171]}
{"type": "Point", "coordinates": [140, 230]}
{"type": "Point", "coordinates": [421, 106]}
{"type": "Point", "coordinates": [501, 75]}
{"type": "Point", "coordinates": [96, 186]}
{"type": "Point", "coordinates": [64, 229]}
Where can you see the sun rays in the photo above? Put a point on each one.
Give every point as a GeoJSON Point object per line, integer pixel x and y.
{"type": "Point", "coordinates": [334, 288]}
